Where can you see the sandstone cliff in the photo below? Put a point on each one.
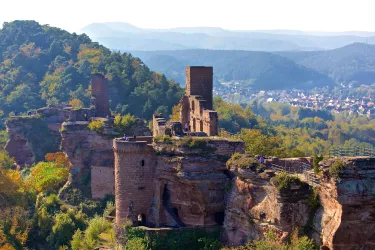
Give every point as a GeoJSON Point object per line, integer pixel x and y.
{"type": "Point", "coordinates": [347, 217]}
{"type": "Point", "coordinates": [256, 205]}
{"type": "Point", "coordinates": [32, 137]}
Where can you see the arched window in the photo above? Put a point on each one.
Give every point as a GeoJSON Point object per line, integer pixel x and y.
{"type": "Point", "coordinates": [142, 163]}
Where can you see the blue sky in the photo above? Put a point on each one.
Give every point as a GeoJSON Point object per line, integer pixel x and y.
{"type": "Point", "coordinates": [307, 15]}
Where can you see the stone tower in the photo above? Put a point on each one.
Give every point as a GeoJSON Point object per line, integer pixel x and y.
{"type": "Point", "coordinates": [199, 81]}
{"type": "Point", "coordinates": [135, 163]}
{"type": "Point", "coordinates": [99, 92]}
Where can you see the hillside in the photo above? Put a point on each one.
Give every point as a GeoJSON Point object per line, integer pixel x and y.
{"type": "Point", "coordinates": [354, 62]}
{"type": "Point", "coordinates": [125, 36]}
{"type": "Point", "coordinates": [260, 69]}
{"type": "Point", "coordinates": [42, 65]}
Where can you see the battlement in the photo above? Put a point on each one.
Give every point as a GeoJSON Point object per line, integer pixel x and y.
{"type": "Point", "coordinates": [140, 146]}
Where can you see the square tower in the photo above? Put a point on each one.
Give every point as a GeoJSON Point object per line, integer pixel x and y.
{"type": "Point", "coordinates": [199, 81]}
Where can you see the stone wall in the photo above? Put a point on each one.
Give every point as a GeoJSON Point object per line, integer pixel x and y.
{"type": "Point", "coordinates": [134, 172]}
{"type": "Point", "coordinates": [199, 81]}
{"type": "Point", "coordinates": [102, 182]}
{"type": "Point", "coordinates": [208, 145]}
{"type": "Point", "coordinates": [99, 91]}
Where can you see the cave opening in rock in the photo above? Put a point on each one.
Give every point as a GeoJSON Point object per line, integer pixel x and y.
{"type": "Point", "coordinates": [219, 218]}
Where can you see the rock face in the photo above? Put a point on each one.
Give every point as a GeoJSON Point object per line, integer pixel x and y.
{"type": "Point", "coordinates": [32, 137]}
{"type": "Point", "coordinates": [84, 149]}
{"type": "Point", "coordinates": [347, 216]}
{"type": "Point", "coordinates": [255, 205]}
{"type": "Point", "coordinates": [194, 188]}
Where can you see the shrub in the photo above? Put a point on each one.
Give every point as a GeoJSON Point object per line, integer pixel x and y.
{"type": "Point", "coordinates": [163, 138]}
{"type": "Point", "coordinates": [46, 176]}
{"type": "Point", "coordinates": [242, 161]}
{"type": "Point", "coordinates": [90, 238]}
{"type": "Point", "coordinates": [313, 201]}
{"type": "Point", "coordinates": [196, 143]}
{"type": "Point", "coordinates": [6, 162]}
{"type": "Point", "coordinates": [285, 180]}
{"type": "Point", "coordinates": [316, 160]}
{"type": "Point", "coordinates": [124, 123]}
{"type": "Point", "coordinates": [96, 125]}
{"type": "Point", "coordinates": [336, 168]}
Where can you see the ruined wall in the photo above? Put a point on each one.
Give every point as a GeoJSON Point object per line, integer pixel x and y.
{"type": "Point", "coordinates": [199, 81]}
{"type": "Point", "coordinates": [134, 172]}
{"type": "Point", "coordinates": [210, 122]}
{"type": "Point", "coordinates": [102, 181]}
{"type": "Point", "coordinates": [100, 93]}
{"type": "Point", "coordinates": [215, 145]}
{"type": "Point", "coordinates": [347, 217]}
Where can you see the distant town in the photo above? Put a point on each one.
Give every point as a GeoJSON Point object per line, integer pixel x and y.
{"type": "Point", "coordinates": [317, 99]}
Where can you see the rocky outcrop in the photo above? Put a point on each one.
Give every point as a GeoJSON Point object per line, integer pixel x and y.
{"type": "Point", "coordinates": [32, 137]}
{"type": "Point", "coordinates": [347, 217]}
{"type": "Point", "coordinates": [255, 205]}
{"type": "Point", "coordinates": [192, 187]}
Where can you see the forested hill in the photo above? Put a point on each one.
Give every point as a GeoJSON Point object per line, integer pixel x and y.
{"type": "Point", "coordinates": [42, 65]}
{"type": "Point", "coordinates": [354, 62]}
{"type": "Point", "coordinates": [260, 69]}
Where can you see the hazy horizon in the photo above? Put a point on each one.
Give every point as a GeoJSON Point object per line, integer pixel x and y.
{"type": "Point", "coordinates": [271, 15]}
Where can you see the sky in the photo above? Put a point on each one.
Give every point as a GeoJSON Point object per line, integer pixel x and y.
{"type": "Point", "coordinates": [305, 15]}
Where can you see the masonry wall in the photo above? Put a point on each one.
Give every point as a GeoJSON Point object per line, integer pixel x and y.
{"type": "Point", "coordinates": [100, 93]}
{"type": "Point", "coordinates": [134, 172]}
{"type": "Point", "coordinates": [102, 181]}
{"type": "Point", "coordinates": [199, 81]}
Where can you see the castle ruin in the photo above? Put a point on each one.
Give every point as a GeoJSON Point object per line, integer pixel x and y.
{"type": "Point", "coordinates": [196, 106]}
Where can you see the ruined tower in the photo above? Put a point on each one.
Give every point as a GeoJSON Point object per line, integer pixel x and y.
{"type": "Point", "coordinates": [135, 163]}
{"type": "Point", "coordinates": [197, 103]}
{"type": "Point", "coordinates": [100, 95]}
{"type": "Point", "coordinates": [199, 81]}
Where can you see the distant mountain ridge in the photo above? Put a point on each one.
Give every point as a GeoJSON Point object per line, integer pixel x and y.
{"type": "Point", "coordinates": [261, 70]}
{"type": "Point", "coordinates": [125, 36]}
{"type": "Point", "coordinates": [354, 62]}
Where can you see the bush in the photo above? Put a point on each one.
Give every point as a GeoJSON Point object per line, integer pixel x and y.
{"type": "Point", "coordinates": [96, 125]}
{"type": "Point", "coordinates": [90, 238]}
{"type": "Point", "coordinates": [285, 180]}
{"type": "Point", "coordinates": [336, 168]}
{"type": "Point", "coordinates": [196, 143]}
{"type": "Point", "coordinates": [163, 138]}
{"type": "Point", "coordinates": [124, 123]}
{"type": "Point", "coordinates": [316, 160]}
{"type": "Point", "coordinates": [243, 161]}
{"type": "Point", "coordinates": [47, 177]}
{"type": "Point", "coordinates": [6, 162]}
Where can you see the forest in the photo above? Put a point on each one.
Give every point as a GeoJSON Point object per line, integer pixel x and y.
{"type": "Point", "coordinates": [42, 65]}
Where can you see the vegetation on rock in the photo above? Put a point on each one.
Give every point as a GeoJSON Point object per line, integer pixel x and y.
{"type": "Point", "coordinates": [336, 168]}
{"type": "Point", "coordinates": [96, 125]}
{"type": "Point", "coordinates": [284, 181]}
